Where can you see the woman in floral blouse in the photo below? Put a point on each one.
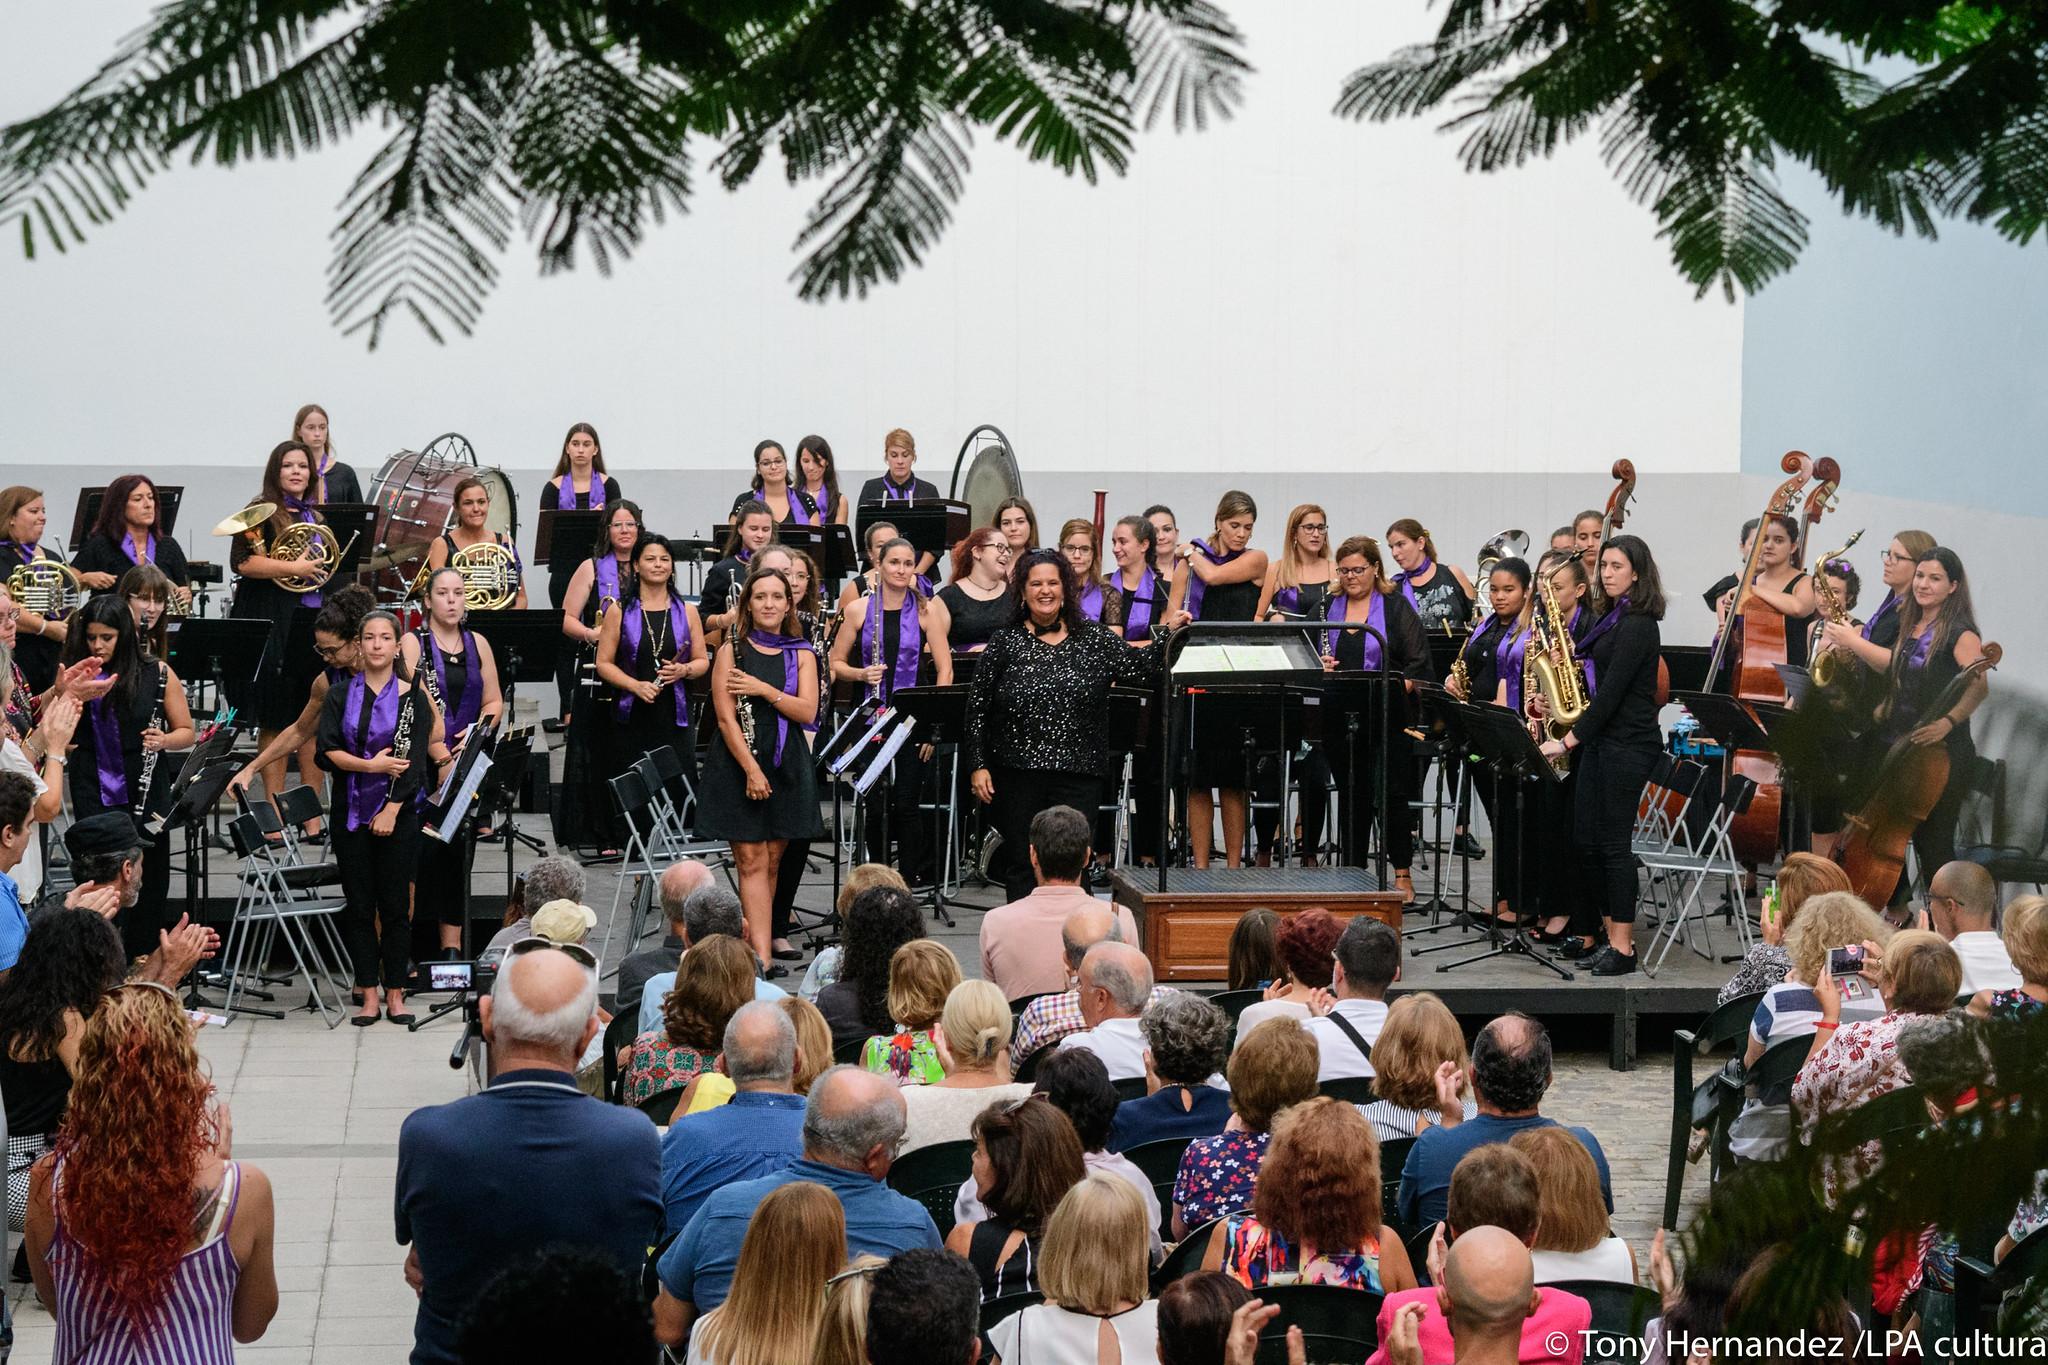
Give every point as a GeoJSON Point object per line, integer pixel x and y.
{"type": "Point", "coordinates": [714, 979]}
{"type": "Point", "coordinates": [1803, 876]}
{"type": "Point", "coordinates": [1274, 1066]}
{"type": "Point", "coordinates": [922, 973]}
{"type": "Point", "coordinates": [2026, 943]}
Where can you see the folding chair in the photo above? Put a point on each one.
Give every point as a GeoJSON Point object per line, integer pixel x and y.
{"type": "Point", "coordinates": [1661, 816]}
{"type": "Point", "coordinates": [1675, 867]}
{"type": "Point", "coordinates": [635, 807]}
{"type": "Point", "coordinates": [1728, 1023]}
{"type": "Point", "coordinates": [294, 808]}
{"type": "Point", "coordinates": [266, 907]}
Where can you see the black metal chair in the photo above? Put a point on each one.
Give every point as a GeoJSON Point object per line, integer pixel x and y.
{"type": "Point", "coordinates": [995, 1310]}
{"type": "Point", "coordinates": [1159, 1162]}
{"type": "Point", "coordinates": [1725, 1024]}
{"type": "Point", "coordinates": [1186, 1258]}
{"type": "Point", "coordinates": [1896, 1111]}
{"type": "Point", "coordinates": [1233, 1003]}
{"type": "Point", "coordinates": [1129, 1088]}
{"type": "Point", "coordinates": [1349, 1089]}
{"type": "Point", "coordinates": [1619, 1311]}
{"type": "Point", "coordinates": [1417, 1242]}
{"type": "Point", "coordinates": [1027, 1069]}
{"type": "Point", "coordinates": [661, 1107]}
{"type": "Point", "coordinates": [1339, 1326]}
{"type": "Point", "coordinates": [1981, 1289]}
{"type": "Point", "coordinates": [618, 1035]}
{"type": "Point", "coordinates": [933, 1176]}
{"type": "Point", "coordinates": [1393, 1156]}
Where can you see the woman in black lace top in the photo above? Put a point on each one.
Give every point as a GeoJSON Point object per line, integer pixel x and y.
{"type": "Point", "coordinates": [1041, 694]}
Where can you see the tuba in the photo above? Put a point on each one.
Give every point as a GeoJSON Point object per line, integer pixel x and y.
{"type": "Point", "coordinates": [490, 575]}
{"type": "Point", "coordinates": [47, 587]}
{"type": "Point", "coordinates": [1509, 544]}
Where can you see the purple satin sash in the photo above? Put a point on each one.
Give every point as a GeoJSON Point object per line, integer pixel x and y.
{"type": "Point", "coordinates": [605, 573]}
{"type": "Point", "coordinates": [1585, 664]}
{"type": "Point", "coordinates": [1884, 608]}
{"type": "Point", "coordinates": [1369, 645]}
{"type": "Point", "coordinates": [1508, 657]}
{"type": "Point", "coordinates": [1091, 601]}
{"type": "Point", "coordinates": [109, 761]}
{"type": "Point", "coordinates": [820, 502]}
{"type": "Point", "coordinates": [1408, 588]}
{"type": "Point", "coordinates": [128, 547]}
{"type": "Point", "coordinates": [463, 712]}
{"type": "Point", "coordinates": [1138, 615]}
{"type": "Point", "coordinates": [902, 670]}
{"type": "Point", "coordinates": [566, 496]}
{"type": "Point", "coordinates": [893, 492]}
{"type": "Point", "coordinates": [787, 646]}
{"type": "Point", "coordinates": [1918, 650]}
{"type": "Point", "coordinates": [1196, 587]}
{"type": "Point", "coordinates": [631, 625]}
{"type": "Point", "coordinates": [367, 791]}
{"type": "Point", "coordinates": [1600, 628]}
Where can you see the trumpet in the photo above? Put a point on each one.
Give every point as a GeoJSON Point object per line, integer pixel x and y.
{"type": "Point", "coordinates": [47, 587]}
{"type": "Point", "coordinates": [1828, 664]}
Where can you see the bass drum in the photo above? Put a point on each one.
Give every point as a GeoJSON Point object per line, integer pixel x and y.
{"type": "Point", "coordinates": [415, 499]}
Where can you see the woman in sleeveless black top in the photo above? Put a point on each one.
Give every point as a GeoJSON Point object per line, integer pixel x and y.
{"type": "Point", "coordinates": [649, 647]}
{"type": "Point", "coordinates": [1026, 1158]}
{"type": "Point", "coordinates": [1220, 580]}
{"type": "Point", "coordinates": [976, 604]}
{"type": "Point", "coordinates": [1439, 592]}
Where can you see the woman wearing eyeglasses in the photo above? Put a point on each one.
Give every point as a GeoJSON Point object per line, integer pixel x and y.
{"type": "Point", "coordinates": [976, 604]}
{"type": "Point", "coordinates": [1871, 643]}
{"type": "Point", "coordinates": [1300, 581]}
{"type": "Point", "coordinates": [787, 503]}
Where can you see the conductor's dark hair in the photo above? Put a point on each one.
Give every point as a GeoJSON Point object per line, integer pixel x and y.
{"type": "Point", "coordinates": [1070, 588]}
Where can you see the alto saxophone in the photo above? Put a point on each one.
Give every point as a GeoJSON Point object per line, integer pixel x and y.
{"type": "Point", "coordinates": [1827, 665]}
{"type": "Point", "coordinates": [1553, 669]}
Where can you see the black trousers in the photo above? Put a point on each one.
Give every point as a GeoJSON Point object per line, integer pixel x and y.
{"type": "Point", "coordinates": [1512, 873]}
{"type": "Point", "coordinates": [1020, 794]}
{"type": "Point", "coordinates": [898, 820]}
{"type": "Point", "coordinates": [788, 878]}
{"type": "Point", "coordinates": [442, 873]}
{"type": "Point", "coordinates": [1358, 800]}
{"type": "Point", "coordinates": [1559, 880]}
{"type": "Point", "coordinates": [1610, 787]}
{"type": "Point", "coordinates": [376, 877]}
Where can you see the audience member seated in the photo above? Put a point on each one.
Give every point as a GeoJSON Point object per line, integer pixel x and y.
{"type": "Point", "coordinates": [1962, 906]}
{"type": "Point", "coordinates": [1800, 878]}
{"type": "Point", "coordinates": [1274, 1067]}
{"type": "Point", "coordinates": [1755, 1310]}
{"type": "Point", "coordinates": [563, 923]}
{"type": "Point", "coordinates": [678, 884]}
{"type": "Point", "coordinates": [856, 1006]}
{"type": "Point", "coordinates": [1021, 947]}
{"type": "Point", "coordinates": [1116, 985]}
{"type": "Point", "coordinates": [813, 1041]}
{"type": "Point", "coordinates": [1194, 1318]}
{"type": "Point", "coordinates": [712, 912]}
{"type": "Point", "coordinates": [1093, 1274]}
{"type": "Point", "coordinates": [921, 975]}
{"type": "Point", "coordinates": [794, 1243]}
{"type": "Point", "coordinates": [1486, 1298]}
{"type": "Point", "coordinates": [852, 1123]}
{"type": "Point", "coordinates": [1254, 950]}
{"type": "Point", "coordinates": [529, 1163]}
{"type": "Point", "coordinates": [717, 977]}
{"type": "Point", "coordinates": [553, 878]}
{"type": "Point", "coordinates": [1315, 1212]}
{"type": "Point", "coordinates": [1493, 1187]}
{"type": "Point", "coordinates": [973, 1040]}
{"type": "Point", "coordinates": [843, 1326]}
{"type": "Point", "coordinates": [1510, 1072]}
{"type": "Point", "coordinates": [1573, 1238]}
{"type": "Point", "coordinates": [1854, 1063]}
{"type": "Point", "coordinates": [563, 1303]}
{"type": "Point", "coordinates": [2026, 942]}
{"type": "Point", "coordinates": [1367, 960]}
{"type": "Point", "coordinates": [146, 1239]}
{"type": "Point", "coordinates": [760, 1130]}
{"type": "Point", "coordinates": [1026, 1158]}
{"type": "Point", "coordinates": [861, 877]}
{"type": "Point", "coordinates": [1187, 1045]}
{"type": "Point", "coordinates": [1696, 1306]}
{"type": "Point", "coordinates": [1419, 1042]}
{"type": "Point", "coordinates": [1305, 941]}
{"type": "Point", "coordinates": [921, 1307]}
{"type": "Point", "coordinates": [1050, 1018]}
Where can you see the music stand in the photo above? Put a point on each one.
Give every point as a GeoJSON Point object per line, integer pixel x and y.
{"type": "Point", "coordinates": [168, 498]}
{"type": "Point", "coordinates": [524, 643]}
{"type": "Point", "coordinates": [1442, 709]}
{"type": "Point", "coordinates": [219, 649]}
{"type": "Point", "coordinates": [1687, 666]}
{"type": "Point", "coordinates": [932, 527]}
{"type": "Point", "coordinates": [355, 526]}
{"type": "Point", "coordinates": [941, 712]}
{"type": "Point", "coordinates": [457, 825]}
{"type": "Point", "coordinates": [208, 770]}
{"type": "Point", "coordinates": [1354, 706]}
{"type": "Point", "coordinates": [563, 536]}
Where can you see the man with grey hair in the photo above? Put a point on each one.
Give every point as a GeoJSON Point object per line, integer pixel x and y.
{"type": "Point", "coordinates": [708, 910]}
{"type": "Point", "coordinates": [468, 1170]}
{"type": "Point", "coordinates": [553, 878]}
{"type": "Point", "coordinates": [683, 879]}
{"type": "Point", "coordinates": [853, 1121]}
{"type": "Point", "coordinates": [758, 1132]}
{"type": "Point", "coordinates": [1050, 1018]}
{"type": "Point", "coordinates": [1116, 985]}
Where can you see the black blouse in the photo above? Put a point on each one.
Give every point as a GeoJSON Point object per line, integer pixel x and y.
{"type": "Point", "coordinates": [1624, 706]}
{"type": "Point", "coordinates": [1043, 706]}
{"type": "Point", "coordinates": [724, 576]}
{"type": "Point", "coordinates": [338, 730]}
{"type": "Point", "coordinates": [1407, 649]}
{"type": "Point", "coordinates": [1482, 658]}
{"type": "Point", "coordinates": [551, 496]}
{"type": "Point", "coordinates": [975, 621]}
{"type": "Point", "coordinates": [102, 554]}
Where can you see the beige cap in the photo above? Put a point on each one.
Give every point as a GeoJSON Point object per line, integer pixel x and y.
{"type": "Point", "coordinates": [564, 921]}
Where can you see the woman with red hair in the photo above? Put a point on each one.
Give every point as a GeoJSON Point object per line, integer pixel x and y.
{"type": "Point", "coordinates": [147, 1242]}
{"type": "Point", "coordinates": [976, 604]}
{"type": "Point", "coordinates": [1305, 942]}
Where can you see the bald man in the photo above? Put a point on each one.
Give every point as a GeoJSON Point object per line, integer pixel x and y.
{"type": "Point", "coordinates": [1962, 906]}
{"type": "Point", "coordinates": [853, 1120]}
{"type": "Point", "coordinates": [466, 1169]}
{"type": "Point", "coordinates": [682, 880]}
{"type": "Point", "coordinates": [1050, 1018]}
{"type": "Point", "coordinates": [1489, 1290]}
{"type": "Point", "coordinates": [1116, 985]}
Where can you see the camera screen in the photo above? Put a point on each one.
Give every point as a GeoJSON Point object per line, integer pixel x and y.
{"type": "Point", "coordinates": [1845, 961]}
{"type": "Point", "coordinates": [450, 976]}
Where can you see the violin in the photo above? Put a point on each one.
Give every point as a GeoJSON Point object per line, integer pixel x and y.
{"type": "Point", "coordinates": [1910, 781]}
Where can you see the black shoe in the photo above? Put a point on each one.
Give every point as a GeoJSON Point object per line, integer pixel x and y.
{"type": "Point", "coordinates": [775, 971]}
{"type": "Point", "coordinates": [1465, 846]}
{"type": "Point", "coordinates": [1550, 940]}
{"type": "Point", "coordinates": [1612, 963]}
{"type": "Point", "coordinates": [1575, 948]}
{"type": "Point", "coordinates": [553, 725]}
{"type": "Point", "coordinates": [786, 954]}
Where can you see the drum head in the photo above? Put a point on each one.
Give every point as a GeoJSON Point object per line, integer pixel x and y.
{"type": "Point", "coordinates": [415, 499]}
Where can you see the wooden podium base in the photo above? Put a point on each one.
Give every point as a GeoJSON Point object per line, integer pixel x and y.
{"type": "Point", "coordinates": [1185, 929]}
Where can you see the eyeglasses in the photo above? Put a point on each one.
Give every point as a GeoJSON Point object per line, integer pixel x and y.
{"type": "Point", "coordinates": [329, 652]}
{"type": "Point", "coordinates": [157, 986]}
{"type": "Point", "coordinates": [537, 944]}
{"type": "Point", "coordinates": [1358, 572]}
{"type": "Point", "coordinates": [1313, 526]}
{"type": "Point", "coordinates": [1891, 557]}
{"type": "Point", "coordinates": [854, 1273]}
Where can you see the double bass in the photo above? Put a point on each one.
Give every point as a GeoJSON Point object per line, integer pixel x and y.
{"type": "Point", "coordinates": [1624, 475]}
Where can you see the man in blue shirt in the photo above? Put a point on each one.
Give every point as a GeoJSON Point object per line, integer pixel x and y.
{"type": "Point", "coordinates": [1510, 1072]}
{"type": "Point", "coordinates": [712, 910]}
{"type": "Point", "coordinates": [531, 1162]}
{"type": "Point", "coordinates": [17, 804]}
{"type": "Point", "coordinates": [853, 1123]}
{"type": "Point", "coordinates": [759, 1132]}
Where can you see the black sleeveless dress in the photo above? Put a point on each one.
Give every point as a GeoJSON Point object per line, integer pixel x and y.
{"type": "Point", "coordinates": [1214, 765]}
{"type": "Point", "coordinates": [791, 810]}
{"type": "Point", "coordinates": [974, 620]}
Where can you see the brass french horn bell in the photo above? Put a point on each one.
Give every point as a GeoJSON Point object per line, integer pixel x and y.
{"type": "Point", "coordinates": [248, 519]}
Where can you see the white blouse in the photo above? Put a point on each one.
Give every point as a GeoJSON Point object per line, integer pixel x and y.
{"type": "Point", "coordinates": [1047, 1335]}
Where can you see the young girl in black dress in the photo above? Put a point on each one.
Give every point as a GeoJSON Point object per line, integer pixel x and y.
{"type": "Point", "coordinates": [648, 647]}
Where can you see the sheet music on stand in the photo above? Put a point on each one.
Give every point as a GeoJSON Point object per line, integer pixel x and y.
{"type": "Point", "coordinates": [1239, 656]}
{"type": "Point", "coordinates": [887, 754]}
{"type": "Point", "coordinates": [458, 793]}
{"type": "Point", "coordinates": [847, 757]}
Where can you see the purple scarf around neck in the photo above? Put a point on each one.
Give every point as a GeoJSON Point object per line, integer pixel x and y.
{"type": "Point", "coordinates": [1091, 601]}
{"type": "Point", "coordinates": [1339, 609]}
{"type": "Point", "coordinates": [567, 498]}
{"type": "Point", "coordinates": [148, 552]}
{"type": "Point", "coordinates": [902, 670]}
{"type": "Point", "coordinates": [110, 760]}
{"type": "Point", "coordinates": [632, 624]}
{"type": "Point", "coordinates": [1889, 606]}
{"type": "Point", "coordinates": [1600, 628]}
{"type": "Point", "coordinates": [463, 711]}
{"type": "Point", "coordinates": [605, 575]}
{"type": "Point", "coordinates": [367, 791]}
{"type": "Point", "coordinates": [1197, 588]}
{"type": "Point", "coordinates": [1138, 614]}
{"type": "Point", "coordinates": [1404, 578]}
{"type": "Point", "coordinates": [1508, 658]}
{"type": "Point", "coordinates": [788, 647]}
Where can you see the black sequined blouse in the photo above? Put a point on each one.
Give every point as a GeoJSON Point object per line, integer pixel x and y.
{"type": "Point", "coordinates": [1043, 706]}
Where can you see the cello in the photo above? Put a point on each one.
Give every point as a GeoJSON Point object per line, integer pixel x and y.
{"type": "Point", "coordinates": [1910, 781]}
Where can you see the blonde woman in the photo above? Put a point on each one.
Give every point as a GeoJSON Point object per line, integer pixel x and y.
{"type": "Point", "coordinates": [1298, 582]}
{"type": "Point", "coordinates": [843, 1325]}
{"type": "Point", "coordinates": [795, 1241]}
{"type": "Point", "coordinates": [1092, 1270]}
{"type": "Point", "coordinates": [1574, 1240]}
{"type": "Point", "coordinates": [1418, 1070]}
{"type": "Point", "coordinates": [813, 1041]}
{"type": "Point", "coordinates": [973, 1039]}
{"type": "Point", "coordinates": [922, 973]}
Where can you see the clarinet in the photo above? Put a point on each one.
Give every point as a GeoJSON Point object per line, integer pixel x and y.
{"type": "Point", "coordinates": [401, 741]}
{"type": "Point", "coordinates": [153, 756]}
{"type": "Point", "coordinates": [744, 706]}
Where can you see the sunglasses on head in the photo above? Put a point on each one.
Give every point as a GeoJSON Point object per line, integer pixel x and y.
{"type": "Point", "coordinates": [537, 944]}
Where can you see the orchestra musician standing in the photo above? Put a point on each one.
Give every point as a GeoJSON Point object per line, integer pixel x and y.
{"type": "Point", "coordinates": [818, 476]}
{"type": "Point", "coordinates": [1083, 554]}
{"type": "Point", "coordinates": [1165, 540]}
{"type": "Point", "coordinates": [148, 595]}
{"type": "Point", "coordinates": [874, 536]}
{"type": "Point", "coordinates": [648, 648]}
{"type": "Point", "coordinates": [1567, 914]}
{"type": "Point", "coordinates": [1300, 581]}
{"type": "Point", "coordinates": [787, 504]}
{"type": "Point", "coordinates": [334, 643]}
{"type": "Point", "coordinates": [1779, 584]}
{"type": "Point", "coordinates": [1871, 643]}
{"type": "Point", "coordinates": [1589, 533]}
{"type": "Point", "coordinates": [803, 575]}
{"type": "Point", "coordinates": [23, 519]}
{"type": "Point", "coordinates": [333, 481]}
{"type": "Point", "coordinates": [753, 528]}
{"type": "Point", "coordinates": [1135, 593]}
{"type": "Point", "coordinates": [578, 484]}
{"type": "Point", "coordinates": [471, 529]}
{"type": "Point", "coordinates": [1614, 745]}
{"type": "Point", "coordinates": [976, 604]}
{"type": "Point", "coordinates": [130, 531]}
{"type": "Point", "coordinates": [1218, 580]}
{"type": "Point", "coordinates": [899, 483]}
{"type": "Point", "coordinates": [1440, 593]}
{"type": "Point", "coordinates": [460, 672]}
{"type": "Point", "coordinates": [585, 815]}
{"type": "Point", "coordinates": [1018, 522]}
{"type": "Point", "coordinates": [1493, 657]}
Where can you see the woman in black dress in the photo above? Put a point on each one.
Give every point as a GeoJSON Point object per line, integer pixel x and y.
{"type": "Point", "coordinates": [578, 484]}
{"type": "Point", "coordinates": [1041, 695]}
{"type": "Point", "coordinates": [818, 476]}
{"type": "Point", "coordinates": [760, 785]}
{"type": "Point", "coordinates": [1615, 744]}
{"type": "Point", "coordinates": [647, 649]}
{"type": "Point", "coordinates": [976, 604]}
{"type": "Point", "coordinates": [23, 518]}
{"type": "Point", "coordinates": [333, 481]}
{"type": "Point", "coordinates": [1493, 660]}
{"type": "Point", "coordinates": [1567, 914]}
{"type": "Point", "coordinates": [279, 689]}
{"type": "Point", "coordinates": [128, 533]}
{"type": "Point", "coordinates": [803, 576]}
{"type": "Point", "coordinates": [1219, 580]}
{"type": "Point", "coordinates": [117, 758]}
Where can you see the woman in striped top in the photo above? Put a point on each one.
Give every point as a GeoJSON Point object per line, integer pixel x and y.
{"type": "Point", "coordinates": [125, 1265]}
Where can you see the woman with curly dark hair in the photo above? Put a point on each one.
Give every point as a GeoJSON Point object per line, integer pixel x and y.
{"type": "Point", "coordinates": [714, 979]}
{"type": "Point", "coordinates": [70, 959]}
{"type": "Point", "coordinates": [880, 920]}
{"type": "Point", "coordinates": [146, 1240]}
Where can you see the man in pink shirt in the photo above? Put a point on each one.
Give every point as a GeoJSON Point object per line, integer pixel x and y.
{"type": "Point", "coordinates": [1493, 1187]}
{"type": "Point", "coordinates": [1023, 948]}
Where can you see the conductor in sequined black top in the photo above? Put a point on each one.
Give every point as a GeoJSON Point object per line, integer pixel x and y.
{"type": "Point", "coordinates": [1041, 695]}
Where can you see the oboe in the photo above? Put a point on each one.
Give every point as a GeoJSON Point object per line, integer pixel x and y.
{"type": "Point", "coordinates": [151, 757]}
{"type": "Point", "coordinates": [401, 739]}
